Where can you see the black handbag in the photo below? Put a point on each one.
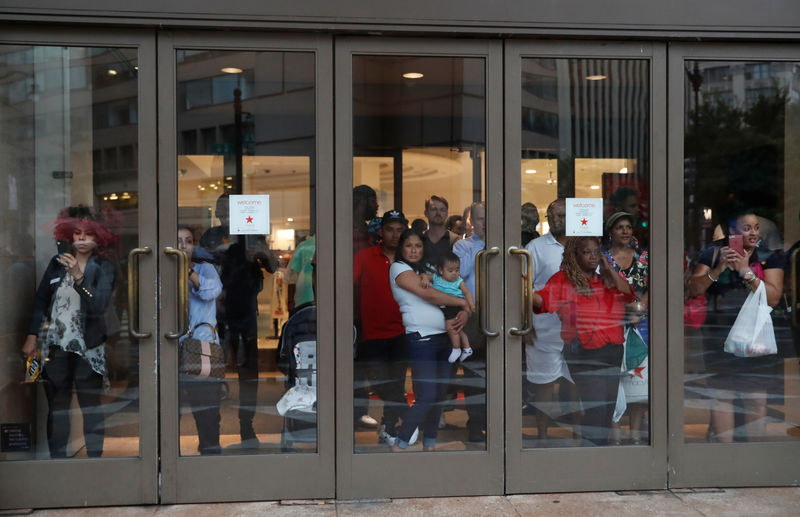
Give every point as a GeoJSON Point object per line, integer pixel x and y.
{"type": "Point", "coordinates": [202, 359]}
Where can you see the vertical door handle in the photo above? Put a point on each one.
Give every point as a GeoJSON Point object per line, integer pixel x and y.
{"type": "Point", "coordinates": [527, 291]}
{"type": "Point", "coordinates": [481, 299]}
{"type": "Point", "coordinates": [183, 292]}
{"type": "Point", "coordinates": [133, 292]}
{"type": "Point", "coordinates": [793, 308]}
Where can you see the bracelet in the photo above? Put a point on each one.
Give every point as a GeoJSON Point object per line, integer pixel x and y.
{"type": "Point", "coordinates": [711, 277]}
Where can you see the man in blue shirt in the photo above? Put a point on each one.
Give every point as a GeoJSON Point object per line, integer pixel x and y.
{"type": "Point", "coordinates": [474, 378]}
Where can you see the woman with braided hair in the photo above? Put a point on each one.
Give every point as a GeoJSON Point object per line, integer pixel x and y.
{"type": "Point", "coordinates": [589, 298]}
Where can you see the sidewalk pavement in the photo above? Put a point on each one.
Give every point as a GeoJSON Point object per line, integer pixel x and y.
{"type": "Point", "coordinates": [712, 502]}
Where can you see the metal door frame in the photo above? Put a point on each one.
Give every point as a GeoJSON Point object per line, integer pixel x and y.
{"type": "Point", "coordinates": [710, 464]}
{"type": "Point", "coordinates": [263, 476]}
{"type": "Point", "coordinates": [412, 474]}
{"type": "Point", "coordinates": [106, 481]}
{"type": "Point", "coordinates": [597, 468]}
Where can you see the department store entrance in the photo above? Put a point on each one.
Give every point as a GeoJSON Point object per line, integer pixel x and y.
{"type": "Point", "coordinates": [253, 190]}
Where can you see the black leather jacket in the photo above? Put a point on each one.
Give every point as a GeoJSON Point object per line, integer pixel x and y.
{"type": "Point", "coordinates": [95, 294]}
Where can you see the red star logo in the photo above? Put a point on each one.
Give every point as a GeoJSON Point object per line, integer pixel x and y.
{"type": "Point", "coordinates": [638, 372]}
{"type": "Point", "coordinates": [584, 221]}
{"type": "Point", "coordinates": [249, 219]}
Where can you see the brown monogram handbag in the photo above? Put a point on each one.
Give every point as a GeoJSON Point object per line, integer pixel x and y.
{"type": "Point", "coordinates": [202, 359]}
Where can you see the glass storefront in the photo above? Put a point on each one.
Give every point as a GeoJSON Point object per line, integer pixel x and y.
{"type": "Point", "coordinates": [69, 118]}
{"type": "Point", "coordinates": [246, 138]}
{"type": "Point", "coordinates": [741, 232]}
{"type": "Point", "coordinates": [586, 134]}
{"type": "Point", "coordinates": [203, 380]}
{"type": "Point", "coordinates": [418, 219]}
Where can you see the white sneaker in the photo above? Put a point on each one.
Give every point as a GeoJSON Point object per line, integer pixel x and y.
{"type": "Point", "coordinates": [384, 437]}
{"type": "Point", "coordinates": [368, 421]}
{"type": "Point", "coordinates": [414, 436]}
{"type": "Point", "coordinates": [465, 353]}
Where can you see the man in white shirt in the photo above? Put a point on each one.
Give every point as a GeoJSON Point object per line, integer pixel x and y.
{"type": "Point", "coordinates": [544, 358]}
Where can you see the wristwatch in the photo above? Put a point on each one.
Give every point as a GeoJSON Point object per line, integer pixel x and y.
{"type": "Point", "coordinates": [749, 276]}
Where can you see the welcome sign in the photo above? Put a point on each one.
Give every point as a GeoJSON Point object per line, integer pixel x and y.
{"type": "Point", "coordinates": [584, 217]}
{"type": "Point", "coordinates": [249, 214]}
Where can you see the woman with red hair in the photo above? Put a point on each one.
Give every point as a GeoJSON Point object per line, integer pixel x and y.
{"type": "Point", "coordinates": [68, 323]}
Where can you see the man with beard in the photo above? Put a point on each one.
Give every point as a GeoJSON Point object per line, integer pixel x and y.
{"type": "Point", "coordinates": [437, 240]}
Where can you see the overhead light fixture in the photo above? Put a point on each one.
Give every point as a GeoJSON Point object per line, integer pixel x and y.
{"type": "Point", "coordinates": [623, 170]}
{"type": "Point", "coordinates": [113, 196]}
{"type": "Point", "coordinates": [290, 219]}
{"type": "Point", "coordinates": [530, 171]}
{"type": "Point", "coordinates": [413, 75]}
{"type": "Point", "coordinates": [596, 77]}
{"type": "Point", "coordinates": [111, 71]}
{"type": "Point", "coordinates": [595, 187]}
{"type": "Point", "coordinates": [125, 195]}
{"type": "Point", "coordinates": [136, 67]}
{"type": "Point", "coordinates": [231, 70]}
{"type": "Point", "coordinates": [105, 198]}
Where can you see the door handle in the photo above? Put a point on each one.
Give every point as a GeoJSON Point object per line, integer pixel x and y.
{"type": "Point", "coordinates": [133, 292]}
{"type": "Point", "coordinates": [793, 262]}
{"type": "Point", "coordinates": [527, 290]}
{"type": "Point", "coordinates": [183, 292]}
{"type": "Point", "coordinates": [480, 300]}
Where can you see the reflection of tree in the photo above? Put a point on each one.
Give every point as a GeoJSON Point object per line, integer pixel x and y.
{"type": "Point", "coordinates": [737, 156]}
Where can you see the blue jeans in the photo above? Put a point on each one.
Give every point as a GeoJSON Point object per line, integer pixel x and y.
{"type": "Point", "coordinates": [430, 374]}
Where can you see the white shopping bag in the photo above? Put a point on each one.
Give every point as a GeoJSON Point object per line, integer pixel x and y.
{"type": "Point", "coordinates": [752, 334]}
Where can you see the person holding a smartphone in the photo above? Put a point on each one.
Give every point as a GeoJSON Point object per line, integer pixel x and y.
{"type": "Point", "coordinates": [743, 264]}
{"type": "Point", "coordinates": [68, 323]}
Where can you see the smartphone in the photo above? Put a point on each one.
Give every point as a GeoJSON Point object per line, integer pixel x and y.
{"type": "Point", "coordinates": [63, 246]}
{"type": "Point", "coordinates": [735, 243]}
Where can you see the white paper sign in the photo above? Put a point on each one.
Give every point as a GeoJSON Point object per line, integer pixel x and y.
{"type": "Point", "coordinates": [585, 216]}
{"type": "Point", "coordinates": [249, 214]}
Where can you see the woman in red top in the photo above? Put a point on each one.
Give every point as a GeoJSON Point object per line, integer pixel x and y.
{"type": "Point", "coordinates": [591, 307]}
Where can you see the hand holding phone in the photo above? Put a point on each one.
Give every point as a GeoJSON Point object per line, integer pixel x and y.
{"type": "Point", "coordinates": [735, 243]}
{"type": "Point", "coordinates": [63, 246]}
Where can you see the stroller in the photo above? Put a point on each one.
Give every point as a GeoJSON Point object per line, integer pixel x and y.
{"type": "Point", "coordinates": [297, 358]}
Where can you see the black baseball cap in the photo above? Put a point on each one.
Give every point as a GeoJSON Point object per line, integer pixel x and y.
{"type": "Point", "coordinates": [393, 216]}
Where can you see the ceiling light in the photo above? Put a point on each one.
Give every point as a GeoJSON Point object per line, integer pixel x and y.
{"type": "Point", "coordinates": [231, 70]}
{"type": "Point", "coordinates": [413, 75]}
{"type": "Point", "coordinates": [530, 171]}
{"type": "Point", "coordinates": [113, 196]}
{"type": "Point", "coordinates": [136, 68]}
{"type": "Point", "coordinates": [623, 170]}
{"type": "Point", "coordinates": [595, 187]}
{"type": "Point", "coordinates": [596, 77]}
{"type": "Point", "coordinates": [125, 195]}
{"type": "Point", "coordinates": [290, 219]}
{"type": "Point", "coordinates": [111, 71]}
{"type": "Point", "coordinates": [549, 181]}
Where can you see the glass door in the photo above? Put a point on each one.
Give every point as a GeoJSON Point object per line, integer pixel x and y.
{"type": "Point", "coordinates": [419, 204]}
{"type": "Point", "coordinates": [78, 399]}
{"type": "Point", "coordinates": [733, 142]}
{"type": "Point", "coordinates": [246, 231]}
{"type": "Point", "coordinates": [585, 343]}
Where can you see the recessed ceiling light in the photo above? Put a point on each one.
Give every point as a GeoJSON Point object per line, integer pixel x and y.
{"type": "Point", "coordinates": [623, 170]}
{"type": "Point", "coordinates": [136, 68]}
{"type": "Point", "coordinates": [530, 171]}
{"type": "Point", "coordinates": [595, 187]}
{"type": "Point", "coordinates": [111, 71]}
{"type": "Point", "coordinates": [290, 219]}
{"type": "Point", "coordinates": [413, 75]}
{"type": "Point", "coordinates": [596, 77]}
{"type": "Point", "coordinates": [231, 70]}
